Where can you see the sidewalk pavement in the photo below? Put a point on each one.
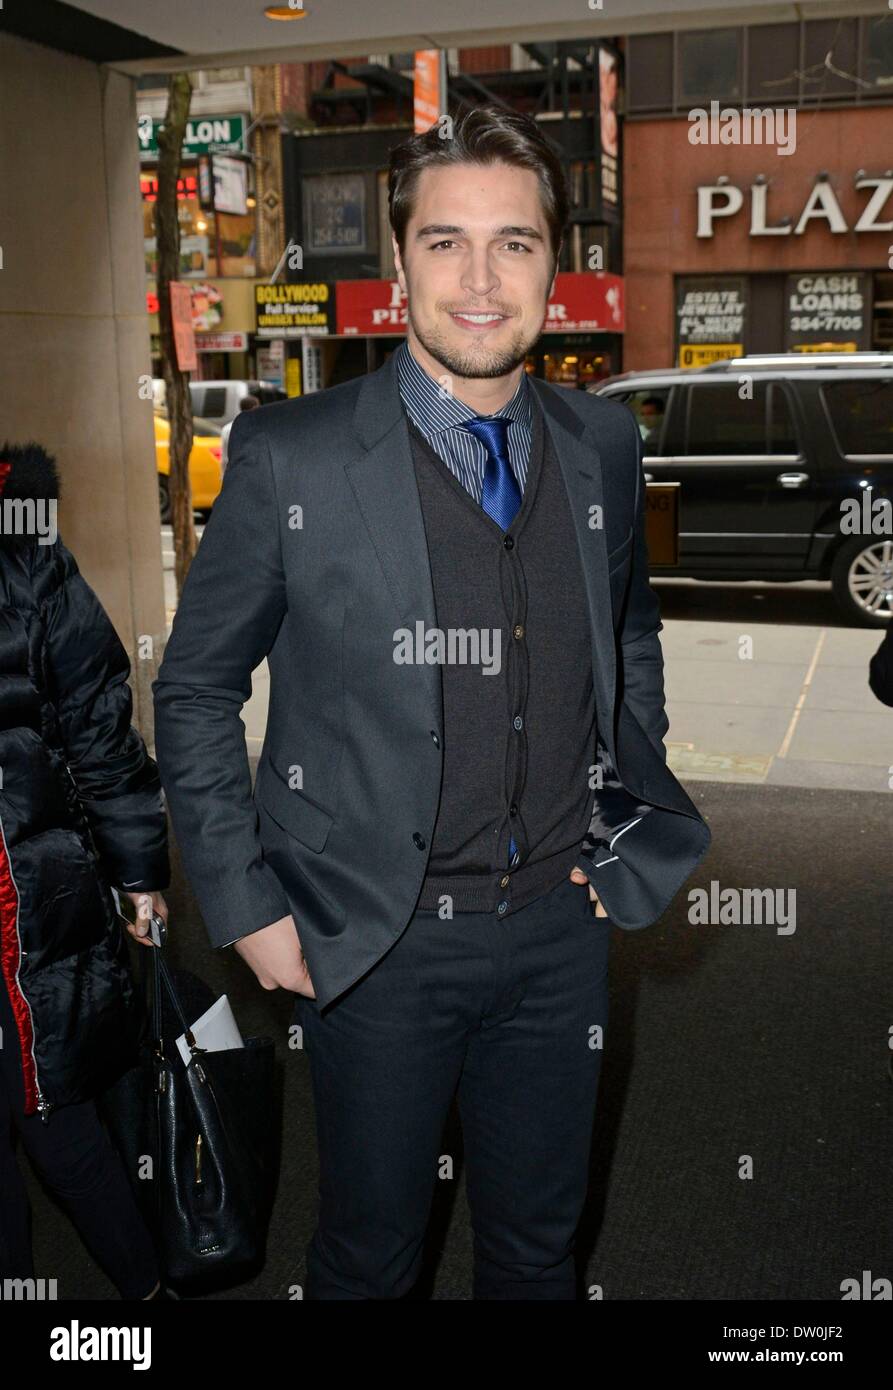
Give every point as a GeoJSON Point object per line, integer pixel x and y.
{"type": "Point", "coordinates": [791, 707]}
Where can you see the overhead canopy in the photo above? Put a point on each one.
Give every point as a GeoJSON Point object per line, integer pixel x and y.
{"type": "Point", "coordinates": [167, 35]}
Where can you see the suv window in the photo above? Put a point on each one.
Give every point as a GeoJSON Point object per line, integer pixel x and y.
{"type": "Point", "coordinates": [650, 409]}
{"type": "Point", "coordinates": [861, 415]}
{"type": "Point", "coordinates": [782, 434]}
{"type": "Point", "coordinates": [720, 422]}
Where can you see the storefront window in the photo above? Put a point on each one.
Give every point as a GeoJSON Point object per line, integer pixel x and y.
{"type": "Point", "coordinates": [237, 244]}
{"type": "Point", "coordinates": [335, 214]}
{"type": "Point", "coordinates": [202, 233]}
{"type": "Point", "coordinates": [576, 367]}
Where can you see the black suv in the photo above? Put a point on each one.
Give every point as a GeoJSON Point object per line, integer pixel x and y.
{"type": "Point", "coordinates": [785, 467]}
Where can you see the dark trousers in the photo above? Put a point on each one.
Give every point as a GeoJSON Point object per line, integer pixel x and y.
{"type": "Point", "coordinates": [73, 1156]}
{"type": "Point", "coordinates": [506, 1012]}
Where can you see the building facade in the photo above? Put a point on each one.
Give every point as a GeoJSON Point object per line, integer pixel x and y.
{"type": "Point", "coordinates": [236, 114]}
{"type": "Point", "coordinates": [759, 190]}
{"type": "Point", "coordinates": [341, 306]}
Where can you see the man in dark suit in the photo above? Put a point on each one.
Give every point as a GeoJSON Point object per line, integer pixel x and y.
{"type": "Point", "coordinates": [445, 565]}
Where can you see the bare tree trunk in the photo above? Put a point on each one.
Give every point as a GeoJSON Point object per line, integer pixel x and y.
{"type": "Point", "coordinates": [179, 404]}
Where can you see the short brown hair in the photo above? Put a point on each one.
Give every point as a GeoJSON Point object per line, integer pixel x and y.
{"type": "Point", "coordinates": [482, 135]}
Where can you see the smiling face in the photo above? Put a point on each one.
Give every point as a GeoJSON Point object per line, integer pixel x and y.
{"type": "Point", "coordinates": [477, 269]}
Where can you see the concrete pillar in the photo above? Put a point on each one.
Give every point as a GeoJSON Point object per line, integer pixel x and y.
{"type": "Point", "coordinates": [74, 336]}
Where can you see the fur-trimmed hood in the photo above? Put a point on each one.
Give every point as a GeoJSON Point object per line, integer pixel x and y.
{"type": "Point", "coordinates": [27, 473]}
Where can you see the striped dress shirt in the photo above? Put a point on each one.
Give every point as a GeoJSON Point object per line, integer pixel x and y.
{"type": "Point", "coordinates": [439, 417]}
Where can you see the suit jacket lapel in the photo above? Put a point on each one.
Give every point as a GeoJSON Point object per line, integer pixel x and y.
{"type": "Point", "coordinates": [580, 461]}
{"type": "Point", "coordinates": [382, 477]}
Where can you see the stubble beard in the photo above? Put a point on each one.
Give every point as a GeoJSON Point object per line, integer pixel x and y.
{"type": "Point", "coordinates": [482, 362]}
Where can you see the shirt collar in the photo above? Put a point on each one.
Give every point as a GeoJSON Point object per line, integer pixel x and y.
{"type": "Point", "coordinates": [432, 409]}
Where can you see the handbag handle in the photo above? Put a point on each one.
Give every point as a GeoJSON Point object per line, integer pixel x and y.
{"type": "Point", "coordinates": [162, 977]}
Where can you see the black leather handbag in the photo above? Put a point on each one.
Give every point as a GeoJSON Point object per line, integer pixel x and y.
{"type": "Point", "coordinates": [200, 1142]}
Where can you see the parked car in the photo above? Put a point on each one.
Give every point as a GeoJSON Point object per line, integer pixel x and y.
{"type": "Point", "coordinates": [218, 401]}
{"type": "Point", "coordinates": [204, 464]}
{"type": "Point", "coordinates": [774, 456]}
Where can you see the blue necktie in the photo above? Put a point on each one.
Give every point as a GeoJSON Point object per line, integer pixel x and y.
{"type": "Point", "coordinates": [501, 497]}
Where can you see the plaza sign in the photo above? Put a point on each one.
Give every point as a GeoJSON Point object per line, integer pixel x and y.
{"type": "Point", "coordinates": [717, 200]}
{"type": "Point", "coordinates": [202, 134]}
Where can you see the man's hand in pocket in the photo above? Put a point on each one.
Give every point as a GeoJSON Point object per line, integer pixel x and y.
{"type": "Point", "coordinates": [578, 876]}
{"type": "Point", "coordinates": [274, 954]}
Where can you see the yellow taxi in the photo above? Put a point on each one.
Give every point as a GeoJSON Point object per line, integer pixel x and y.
{"type": "Point", "coordinates": [204, 464]}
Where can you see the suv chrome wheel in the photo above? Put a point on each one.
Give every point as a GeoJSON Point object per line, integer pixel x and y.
{"type": "Point", "coordinates": [870, 578]}
{"type": "Point", "coordinates": [862, 580]}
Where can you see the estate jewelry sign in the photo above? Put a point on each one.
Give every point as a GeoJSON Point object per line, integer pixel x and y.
{"type": "Point", "coordinates": [711, 318]}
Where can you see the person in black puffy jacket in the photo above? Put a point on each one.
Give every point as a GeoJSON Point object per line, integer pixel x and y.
{"type": "Point", "coordinates": [81, 819]}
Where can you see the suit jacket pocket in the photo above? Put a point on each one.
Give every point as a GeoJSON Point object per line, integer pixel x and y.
{"type": "Point", "coordinates": [297, 815]}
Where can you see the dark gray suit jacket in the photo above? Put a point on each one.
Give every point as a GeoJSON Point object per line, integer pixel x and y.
{"type": "Point", "coordinates": [314, 555]}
